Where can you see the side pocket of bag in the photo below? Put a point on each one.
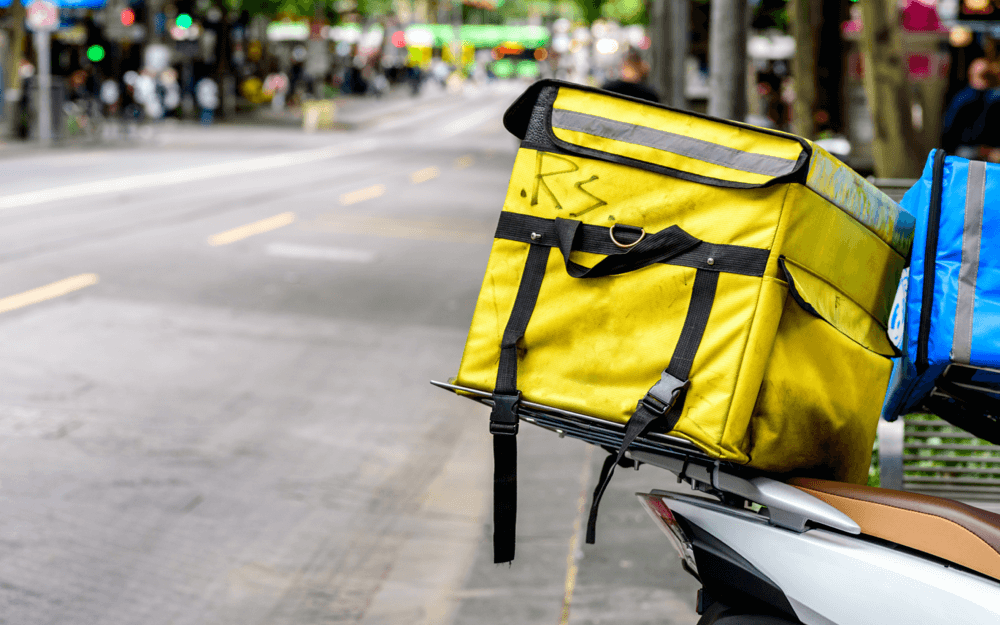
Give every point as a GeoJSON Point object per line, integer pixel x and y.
{"type": "Point", "coordinates": [820, 399]}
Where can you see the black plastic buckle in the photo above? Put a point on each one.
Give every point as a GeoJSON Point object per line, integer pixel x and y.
{"type": "Point", "coordinates": [664, 394]}
{"type": "Point", "coordinates": [503, 419]}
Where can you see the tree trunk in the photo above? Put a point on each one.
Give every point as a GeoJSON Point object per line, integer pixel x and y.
{"type": "Point", "coordinates": [13, 89]}
{"type": "Point", "coordinates": [668, 34]}
{"type": "Point", "coordinates": [727, 59]}
{"type": "Point", "coordinates": [897, 151]}
{"type": "Point", "coordinates": [803, 18]}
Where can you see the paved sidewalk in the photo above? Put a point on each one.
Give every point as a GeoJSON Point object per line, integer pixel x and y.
{"type": "Point", "coordinates": [353, 113]}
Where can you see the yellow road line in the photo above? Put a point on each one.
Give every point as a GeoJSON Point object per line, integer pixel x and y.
{"type": "Point", "coordinates": [257, 227]}
{"type": "Point", "coordinates": [49, 291]}
{"type": "Point", "coordinates": [571, 566]}
{"type": "Point", "coordinates": [464, 161]}
{"type": "Point", "coordinates": [424, 175]}
{"type": "Point", "coordinates": [368, 193]}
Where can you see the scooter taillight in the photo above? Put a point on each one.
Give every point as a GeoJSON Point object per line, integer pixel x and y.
{"type": "Point", "coordinates": [665, 519]}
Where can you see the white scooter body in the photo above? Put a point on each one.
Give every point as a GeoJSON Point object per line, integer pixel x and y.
{"type": "Point", "coordinates": [813, 555]}
{"type": "Point", "coordinates": [830, 577]}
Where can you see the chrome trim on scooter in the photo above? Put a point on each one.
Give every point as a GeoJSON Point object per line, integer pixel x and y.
{"type": "Point", "coordinates": [787, 506]}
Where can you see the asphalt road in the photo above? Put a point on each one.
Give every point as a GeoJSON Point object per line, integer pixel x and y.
{"type": "Point", "coordinates": [214, 398]}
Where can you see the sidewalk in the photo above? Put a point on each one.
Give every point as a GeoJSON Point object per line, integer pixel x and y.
{"type": "Point", "coordinates": [354, 112]}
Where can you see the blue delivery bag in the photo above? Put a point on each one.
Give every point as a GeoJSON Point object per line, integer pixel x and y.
{"type": "Point", "coordinates": [946, 318]}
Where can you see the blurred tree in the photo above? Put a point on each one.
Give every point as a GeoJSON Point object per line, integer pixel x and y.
{"type": "Point", "coordinates": [897, 148]}
{"type": "Point", "coordinates": [625, 12]}
{"type": "Point", "coordinates": [769, 14]}
{"type": "Point", "coordinates": [12, 68]}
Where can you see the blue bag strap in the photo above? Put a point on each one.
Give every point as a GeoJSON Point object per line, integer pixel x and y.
{"type": "Point", "coordinates": [930, 260]}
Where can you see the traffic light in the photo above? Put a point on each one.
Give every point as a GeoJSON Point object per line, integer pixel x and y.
{"type": "Point", "coordinates": [96, 53]}
{"type": "Point", "coordinates": [183, 20]}
{"type": "Point", "coordinates": [127, 17]}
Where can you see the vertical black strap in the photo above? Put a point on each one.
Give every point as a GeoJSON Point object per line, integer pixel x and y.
{"type": "Point", "coordinates": [503, 418]}
{"type": "Point", "coordinates": [702, 298]}
{"type": "Point", "coordinates": [663, 403]}
{"type": "Point", "coordinates": [524, 304]}
{"type": "Point", "coordinates": [930, 260]}
{"type": "Point", "coordinates": [504, 496]}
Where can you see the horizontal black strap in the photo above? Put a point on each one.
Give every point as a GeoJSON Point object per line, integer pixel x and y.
{"type": "Point", "coordinates": [643, 250]}
{"type": "Point", "coordinates": [739, 259]}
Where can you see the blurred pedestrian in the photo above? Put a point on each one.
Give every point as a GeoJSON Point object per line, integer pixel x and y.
{"type": "Point", "coordinates": [967, 123]}
{"type": "Point", "coordinates": [416, 77]}
{"type": "Point", "coordinates": [634, 72]}
{"type": "Point", "coordinates": [207, 94]}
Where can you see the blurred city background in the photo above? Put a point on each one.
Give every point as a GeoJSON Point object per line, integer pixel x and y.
{"type": "Point", "coordinates": [238, 239]}
{"type": "Point", "coordinates": [112, 66]}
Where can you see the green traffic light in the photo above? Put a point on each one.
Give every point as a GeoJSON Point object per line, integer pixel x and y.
{"type": "Point", "coordinates": [183, 21]}
{"type": "Point", "coordinates": [95, 53]}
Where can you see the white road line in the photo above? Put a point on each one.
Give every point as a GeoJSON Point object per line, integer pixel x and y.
{"type": "Point", "coordinates": [467, 123]}
{"type": "Point", "coordinates": [257, 227]}
{"type": "Point", "coordinates": [191, 174]}
{"type": "Point", "coordinates": [313, 252]}
{"type": "Point", "coordinates": [49, 291]}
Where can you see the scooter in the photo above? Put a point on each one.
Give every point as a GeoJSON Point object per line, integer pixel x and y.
{"type": "Point", "coordinates": [815, 552]}
{"type": "Point", "coordinates": [805, 551]}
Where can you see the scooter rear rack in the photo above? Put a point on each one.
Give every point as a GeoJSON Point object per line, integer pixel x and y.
{"type": "Point", "coordinates": [786, 505]}
{"type": "Point", "coordinates": [586, 428]}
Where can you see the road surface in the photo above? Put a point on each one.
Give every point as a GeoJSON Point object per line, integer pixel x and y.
{"type": "Point", "coordinates": [214, 398]}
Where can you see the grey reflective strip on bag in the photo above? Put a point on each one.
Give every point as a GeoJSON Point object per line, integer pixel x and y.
{"type": "Point", "coordinates": [674, 143]}
{"type": "Point", "coordinates": [975, 197]}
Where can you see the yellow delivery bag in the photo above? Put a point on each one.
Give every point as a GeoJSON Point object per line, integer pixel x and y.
{"type": "Point", "coordinates": [679, 273]}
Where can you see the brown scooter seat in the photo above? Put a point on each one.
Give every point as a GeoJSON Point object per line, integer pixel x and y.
{"type": "Point", "coordinates": [947, 529]}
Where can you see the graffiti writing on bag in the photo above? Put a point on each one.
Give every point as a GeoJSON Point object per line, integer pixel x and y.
{"type": "Point", "coordinates": [541, 184]}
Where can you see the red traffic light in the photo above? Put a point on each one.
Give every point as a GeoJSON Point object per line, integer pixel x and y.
{"type": "Point", "coordinates": [128, 17]}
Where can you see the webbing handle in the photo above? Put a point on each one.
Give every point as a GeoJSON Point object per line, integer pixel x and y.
{"type": "Point", "coordinates": [647, 250]}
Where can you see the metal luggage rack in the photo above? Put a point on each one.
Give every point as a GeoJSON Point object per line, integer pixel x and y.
{"type": "Point", "coordinates": [586, 428]}
{"type": "Point", "coordinates": [785, 505]}
{"type": "Point", "coordinates": [928, 455]}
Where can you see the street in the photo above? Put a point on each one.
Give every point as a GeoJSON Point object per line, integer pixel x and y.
{"type": "Point", "coordinates": [221, 413]}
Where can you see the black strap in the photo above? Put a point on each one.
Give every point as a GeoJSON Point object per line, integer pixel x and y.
{"type": "Point", "coordinates": [524, 305]}
{"type": "Point", "coordinates": [738, 259]}
{"type": "Point", "coordinates": [930, 260]}
{"type": "Point", "coordinates": [646, 249]}
{"type": "Point", "coordinates": [663, 404]}
{"type": "Point", "coordinates": [503, 418]}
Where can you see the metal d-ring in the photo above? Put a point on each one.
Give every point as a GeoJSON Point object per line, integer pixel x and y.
{"type": "Point", "coordinates": [642, 235]}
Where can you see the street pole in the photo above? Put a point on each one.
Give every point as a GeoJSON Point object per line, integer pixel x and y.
{"type": "Point", "coordinates": [727, 59]}
{"type": "Point", "coordinates": [42, 48]}
{"type": "Point", "coordinates": [661, 35]}
{"type": "Point", "coordinates": [680, 22]}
